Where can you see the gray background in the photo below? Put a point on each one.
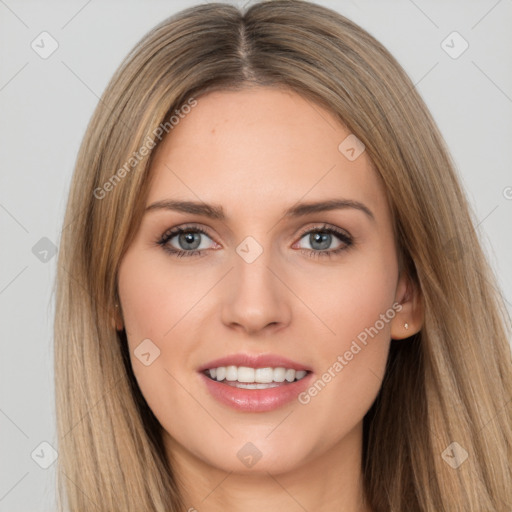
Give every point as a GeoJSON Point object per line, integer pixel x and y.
{"type": "Point", "coordinates": [46, 104]}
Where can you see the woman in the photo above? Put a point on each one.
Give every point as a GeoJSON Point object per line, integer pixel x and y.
{"type": "Point", "coordinates": [206, 359]}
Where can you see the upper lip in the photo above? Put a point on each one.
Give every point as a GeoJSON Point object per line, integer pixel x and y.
{"type": "Point", "coordinates": [255, 361]}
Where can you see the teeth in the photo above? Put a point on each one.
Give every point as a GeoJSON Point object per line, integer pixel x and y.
{"type": "Point", "coordinates": [264, 375]}
{"type": "Point", "coordinates": [231, 373]}
{"type": "Point", "coordinates": [221, 373]}
{"type": "Point", "coordinates": [244, 374]}
{"type": "Point", "coordinates": [248, 375]}
{"type": "Point", "coordinates": [279, 374]}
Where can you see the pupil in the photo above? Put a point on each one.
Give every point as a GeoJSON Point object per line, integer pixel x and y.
{"type": "Point", "coordinates": [188, 238]}
{"type": "Point", "coordinates": [323, 239]}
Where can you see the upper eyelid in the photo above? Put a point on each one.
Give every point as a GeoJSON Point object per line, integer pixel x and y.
{"type": "Point", "coordinates": [324, 227]}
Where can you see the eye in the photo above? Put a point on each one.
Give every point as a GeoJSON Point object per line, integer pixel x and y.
{"type": "Point", "coordinates": [321, 239]}
{"type": "Point", "coordinates": [184, 241]}
{"type": "Point", "coordinates": [187, 241]}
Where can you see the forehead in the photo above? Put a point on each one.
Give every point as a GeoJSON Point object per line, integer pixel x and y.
{"type": "Point", "coordinates": [260, 148]}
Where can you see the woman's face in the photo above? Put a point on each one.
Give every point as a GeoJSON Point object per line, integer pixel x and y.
{"type": "Point", "coordinates": [250, 287]}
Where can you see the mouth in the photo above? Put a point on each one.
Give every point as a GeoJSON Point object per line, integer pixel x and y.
{"type": "Point", "coordinates": [255, 383]}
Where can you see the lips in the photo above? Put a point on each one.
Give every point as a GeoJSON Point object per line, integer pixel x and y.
{"type": "Point", "coordinates": [255, 383]}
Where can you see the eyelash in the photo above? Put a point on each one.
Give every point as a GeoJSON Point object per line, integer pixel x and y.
{"type": "Point", "coordinates": [341, 235]}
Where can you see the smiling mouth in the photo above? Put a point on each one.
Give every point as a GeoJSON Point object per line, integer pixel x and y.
{"type": "Point", "coordinates": [245, 377]}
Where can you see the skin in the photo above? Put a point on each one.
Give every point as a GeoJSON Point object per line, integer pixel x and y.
{"type": "Point", "coordinates": [257, 152]}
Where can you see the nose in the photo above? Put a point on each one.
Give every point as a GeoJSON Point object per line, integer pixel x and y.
{"type": "Point", "coordinates": [255, 297]}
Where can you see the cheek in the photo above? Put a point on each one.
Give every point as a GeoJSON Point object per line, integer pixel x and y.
{"type": "Point", "coordinates": [357, 306]}
{"type": "Point", "coordinates": [154, 313]}
{"type": "Point", "coordinates": [155, 295]}
{"type": "Point", "coordinates": [161, 302]}
{"type": "Point", "coordinates": [352, 297]}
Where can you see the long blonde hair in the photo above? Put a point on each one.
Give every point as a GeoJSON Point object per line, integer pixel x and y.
{"type": "Point", "coordinates": [451, 383]}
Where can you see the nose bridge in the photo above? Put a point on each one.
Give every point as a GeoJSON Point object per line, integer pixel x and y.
{"type": "Point", "coordinates": [256, 298]}
{"type": "Point", "coordinates": [253, 276]}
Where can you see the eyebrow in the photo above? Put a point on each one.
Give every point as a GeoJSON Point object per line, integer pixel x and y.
{"type": "Point", "coordinates": [214, 211]}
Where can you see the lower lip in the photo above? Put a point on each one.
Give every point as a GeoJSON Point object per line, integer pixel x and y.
{"type": "Point", "coordinates": [256, 400]}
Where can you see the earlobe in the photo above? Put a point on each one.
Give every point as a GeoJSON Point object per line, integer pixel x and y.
{"type": "Point", "coordinates": [409, 320]}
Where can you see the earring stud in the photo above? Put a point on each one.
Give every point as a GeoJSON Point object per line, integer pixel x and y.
{"type": "Point", "coordinates": [406, 325]}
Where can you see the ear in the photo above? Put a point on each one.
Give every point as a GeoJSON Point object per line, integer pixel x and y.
{"type": "Point", "coordinates": [409, 320]}
{"type": "Point", "coordinates": [117, 318]}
